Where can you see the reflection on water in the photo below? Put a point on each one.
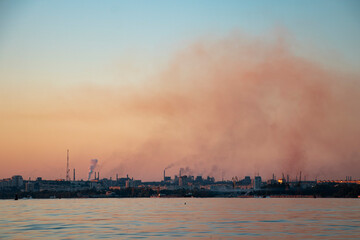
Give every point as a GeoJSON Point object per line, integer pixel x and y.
{"type": "Point", "coordinates": [164, 218]}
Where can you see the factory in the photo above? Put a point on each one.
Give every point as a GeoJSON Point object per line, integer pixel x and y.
{"type": "Point", "coordinates": [184, 181]}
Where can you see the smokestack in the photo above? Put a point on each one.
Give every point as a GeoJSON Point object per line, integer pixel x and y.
{"type": "Point", "coordinates": [164, 175]}
{"type": "Point", "coordinates": [98, 176]}
{"type": "Point", "coordinates": [180, 173]}
{"type": "Point", "coordinates": [117, 177]}
{"type": "Point", "coordinates": [93, 163]}
{"type": "Point", "coordinates": [67, 166]}
{"type": "Point", "coordinates": [74, 174]}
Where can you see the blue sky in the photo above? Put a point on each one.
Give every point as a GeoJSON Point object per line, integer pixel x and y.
{"type": "Point", "coordinates": [68, 38]}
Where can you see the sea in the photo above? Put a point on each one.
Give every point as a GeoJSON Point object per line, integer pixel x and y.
{"type": "Point", "coordinates": [180, 218]}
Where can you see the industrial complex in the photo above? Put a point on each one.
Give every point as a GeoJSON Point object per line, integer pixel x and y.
{"type": "Point", "coordinates": [180, 185]}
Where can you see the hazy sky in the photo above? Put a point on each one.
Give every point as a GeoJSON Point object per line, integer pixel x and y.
{"type": "Point", "coordinates": [222, 87]}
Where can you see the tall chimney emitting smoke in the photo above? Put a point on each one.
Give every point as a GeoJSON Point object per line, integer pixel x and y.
{"type": "Point", "coordinates": [93, 163]}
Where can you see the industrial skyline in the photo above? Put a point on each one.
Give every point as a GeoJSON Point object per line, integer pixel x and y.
{"type": "Point", "coordinates": [94, 174]}
{"type": "Point", "coordinates": [182, 185]}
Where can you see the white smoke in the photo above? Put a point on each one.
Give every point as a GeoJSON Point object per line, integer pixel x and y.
{"type": "Point", "coordinates": [93, 163]}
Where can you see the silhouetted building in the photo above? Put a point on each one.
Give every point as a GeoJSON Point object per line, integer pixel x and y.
{"type": "Point", "coordinates": [17, 181]}
{"type": "Point", "coordinates": [246, 180]}
{"type": "Point", "coordinates": [29, 187]}
{"type": "Point", "coordinates": [257, 183]}
{"type": "Point", "coordinates": [199, 179]}
{"type": "Point", "coordinates": [210, 179]}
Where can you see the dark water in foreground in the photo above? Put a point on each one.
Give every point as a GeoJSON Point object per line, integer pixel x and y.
{"type": "Point", "coordinates": [161, 218]}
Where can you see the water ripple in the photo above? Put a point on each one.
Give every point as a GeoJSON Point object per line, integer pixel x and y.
{"type": "Point", "coordinates": [170, 218]}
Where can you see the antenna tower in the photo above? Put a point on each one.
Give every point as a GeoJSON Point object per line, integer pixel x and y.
{"type": "Point", "coordinates": [67, 167]}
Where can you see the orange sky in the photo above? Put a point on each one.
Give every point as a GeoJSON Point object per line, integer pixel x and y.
{"type": "Point", "coordinates": [228, 107]}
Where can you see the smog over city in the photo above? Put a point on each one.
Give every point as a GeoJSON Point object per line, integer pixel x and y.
{"type": "Point", "coordinates": [224, 104]}
{"type": "Point", "coordinates": [123, 119]}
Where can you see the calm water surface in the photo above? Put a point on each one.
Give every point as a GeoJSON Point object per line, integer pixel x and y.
{"type": "Point", "coordinates": [162, 218]}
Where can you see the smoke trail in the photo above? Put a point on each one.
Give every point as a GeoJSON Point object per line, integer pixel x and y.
{"type": "Point", "coordinates": [93, 163]}
{"type": "Point", "coordinates": [186, 171]}
{"type": "Point", "coordinates": [170, 166]}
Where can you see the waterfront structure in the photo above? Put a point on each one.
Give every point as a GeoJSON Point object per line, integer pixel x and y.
{"type": "Point", "coordinates": [181, 184]}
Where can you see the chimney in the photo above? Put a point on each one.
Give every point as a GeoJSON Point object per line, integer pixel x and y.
{"type": "Point", "coordinates": [164, 175]}
{"type": "Point", "coordinates": [74, 174]}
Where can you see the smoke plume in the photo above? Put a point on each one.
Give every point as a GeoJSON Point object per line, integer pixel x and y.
{"type": "Point", "coordinates": [230, 107]}
{"type": "Point", "coordinates": [246, 106]}
{"type": "Point", "coordinates": [93, 163]}
{"type": "Point", "coordinates": [170, 166]}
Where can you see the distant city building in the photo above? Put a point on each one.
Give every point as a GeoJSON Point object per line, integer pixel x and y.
{"type": "Point", "coordinates": [17, 181]}
{"type": "Point", "coordinates": [246, 180]}
{"type": "Point", "coordinates": [129, 183]}
{"type": "Point", "coordinates": [210, 179]}
{"type": "Point", "coordinates": [257, 183]}
{"type": "Point", "coordinates": [29, 187]}
{"type": "Point", "coordinates": [199, 179]}
{"type": "Point", "coordinates": [5, 183]}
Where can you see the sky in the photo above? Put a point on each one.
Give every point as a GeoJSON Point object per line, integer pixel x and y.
{"type": "Point", "coordinates": [221, 88]}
